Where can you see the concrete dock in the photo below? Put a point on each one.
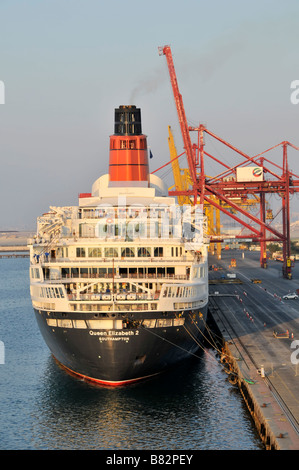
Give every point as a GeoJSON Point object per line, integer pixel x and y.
{"type": "Point", "coordinates": [260, 332]}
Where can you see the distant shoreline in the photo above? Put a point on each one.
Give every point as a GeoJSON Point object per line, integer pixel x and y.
{"type": "Point", "coordinates": [13, 241]}
{"type": "Point", "coordinates": [13, 248]}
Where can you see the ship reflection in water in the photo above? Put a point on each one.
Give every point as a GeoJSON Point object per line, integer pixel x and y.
{"type": "Point", "coordinates": [193, 408]}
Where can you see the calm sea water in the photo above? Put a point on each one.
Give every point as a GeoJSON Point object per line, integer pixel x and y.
{"type": "Point", "coordinates": [42, 407]}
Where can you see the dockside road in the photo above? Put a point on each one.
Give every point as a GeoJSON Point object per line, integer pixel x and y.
{"type": "Point", "coordinates": [261, 340]}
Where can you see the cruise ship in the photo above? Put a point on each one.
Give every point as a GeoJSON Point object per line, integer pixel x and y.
{"type": "Point", "coordinates": [119, 283]}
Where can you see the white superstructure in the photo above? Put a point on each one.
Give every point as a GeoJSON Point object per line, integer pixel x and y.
{"type": "Point", "coordinates": [119, 283]}
{"type": "Point", "coordinates": [121, 249]}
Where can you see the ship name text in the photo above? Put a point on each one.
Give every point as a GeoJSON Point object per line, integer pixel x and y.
{"type": "Point", "coordinates": [113, 333]}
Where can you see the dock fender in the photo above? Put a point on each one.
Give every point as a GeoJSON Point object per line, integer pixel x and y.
{"type": "Point", "coordinates": [227, 367]}
{"type": "Point", "coordinates": [233, 379]}
{"type": "Point", "coordinates": [223, 358]}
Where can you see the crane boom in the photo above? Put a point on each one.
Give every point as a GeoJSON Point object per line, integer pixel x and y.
{"type": "Point", "coordinates": [181, 113]}
{"type": "Point", "coordinates": [181, 181]}
{"type": "Point", "coordinates": [219, 188]}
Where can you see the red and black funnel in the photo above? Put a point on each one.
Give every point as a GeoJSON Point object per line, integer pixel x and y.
{"type": "Point", "coordinates": [128, 160]}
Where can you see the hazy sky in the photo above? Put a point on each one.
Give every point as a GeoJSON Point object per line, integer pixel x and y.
{"type": "Point", "coordinates": [66, 64]}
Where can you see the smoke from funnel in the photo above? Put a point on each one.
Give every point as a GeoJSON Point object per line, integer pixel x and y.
{"type": "Point", "coordinates": [148, 85]}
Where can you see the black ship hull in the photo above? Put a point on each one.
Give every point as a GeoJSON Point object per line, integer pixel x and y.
{"type": "Point", "coordinates": [119, 356]}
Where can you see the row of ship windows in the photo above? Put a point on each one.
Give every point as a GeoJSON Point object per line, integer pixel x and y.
{"type": "Point", "coordinates": [92, 272]}
{"type": "Point", "coordinates": [125, 252]}
{"type": "Point", "coordinates": [35, 274]}
{"type": "Point", "coordinates": [82, 307]}
{"type": "Point", "coordinates": [163, 322]}
{"type": "Point", "coordinates": [124, 213]}
{"type": "Point", "coordinates": [57, 292]}
{"type": "Point", "coordinates": [48, 292]}
{"type": "Point", "coordinates": [130, 144]}
{"type": "Point", "coordinates": [113, 252]}
{"type": "Point", "coordinates": [184, 305]}
{"type": "Point", "coordinates": [173, 291]}
{"type": "Point", "coordinates": [112, 324]}
{"type": "Point", "coordinates": [52, 292]}
{"type": "Point", "coordinates": [131, 231]}
{"type": "Point", "coordinates": [90, 307]}
{"type": "Point", "coordinates": [108, 307]}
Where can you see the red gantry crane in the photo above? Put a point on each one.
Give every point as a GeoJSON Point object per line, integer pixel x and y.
{"type": "Point", "coordinates": [228, 185]}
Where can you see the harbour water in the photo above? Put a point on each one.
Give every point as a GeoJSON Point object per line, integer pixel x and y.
{"type": "Point", "coordinates": [44, 408]}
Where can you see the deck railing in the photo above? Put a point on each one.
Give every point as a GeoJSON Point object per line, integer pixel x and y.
{"type": "Point", "coordinates": [110, 276]}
